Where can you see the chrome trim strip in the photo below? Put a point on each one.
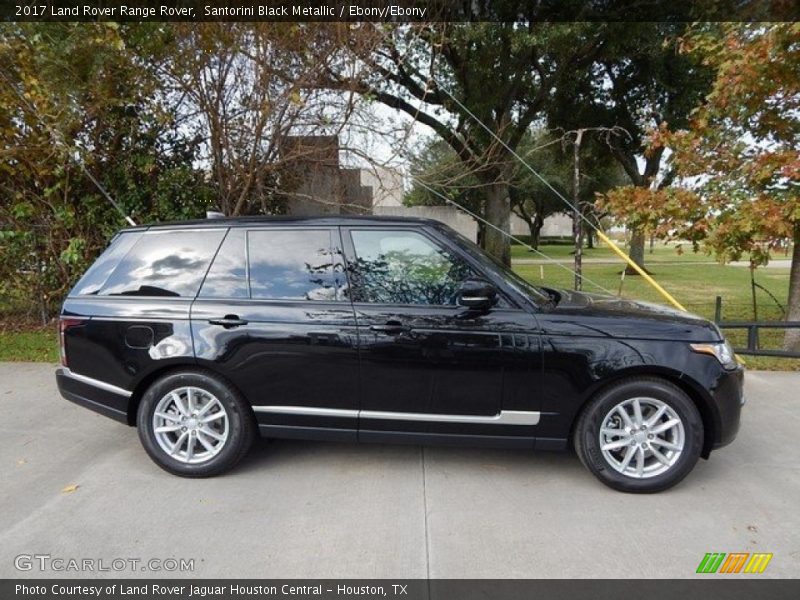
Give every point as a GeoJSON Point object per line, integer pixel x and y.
{"type": "Point", "coordinates": [102, 385]}
{"type": "Point", "coordinates": [308, 411]}
{"type": "Point", "coordinates": [505, 417]}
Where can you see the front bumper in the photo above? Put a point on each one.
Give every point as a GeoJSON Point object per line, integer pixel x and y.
{"type": "Point", "coordinates": [101, 397]}
{"type": "Point", "coordinates": [728, 397]}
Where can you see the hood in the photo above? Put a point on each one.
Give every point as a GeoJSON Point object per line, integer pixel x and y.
{"type": "Point", "coordinates": [620, 317]}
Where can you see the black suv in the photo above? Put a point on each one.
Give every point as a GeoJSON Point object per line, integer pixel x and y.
{"type": "Point", "coordinates": [205, 333]}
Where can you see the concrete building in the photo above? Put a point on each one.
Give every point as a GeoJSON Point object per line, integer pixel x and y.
{"type": "Point", "coordinates": [314, 182]}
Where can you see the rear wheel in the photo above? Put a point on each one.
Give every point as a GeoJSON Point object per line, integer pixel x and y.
{"type": "Point", "coordinates": [640, 435]}
{"type": "Point", "coordinates": [191, 423]}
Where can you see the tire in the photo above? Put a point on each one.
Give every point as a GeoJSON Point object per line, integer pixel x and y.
{"type": "Point", "coordinates": [220, 433]}
{"type": "Point", "coordinates": [677, 445]}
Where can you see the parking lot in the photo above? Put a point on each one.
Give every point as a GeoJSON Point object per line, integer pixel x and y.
{"type": "Point", "coordinates": [300, 509]}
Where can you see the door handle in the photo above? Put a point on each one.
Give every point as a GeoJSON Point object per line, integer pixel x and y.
{"type": "Point", "coordinates": [391, 328]}
{"type": "Point", "coordinates": [228, 321]}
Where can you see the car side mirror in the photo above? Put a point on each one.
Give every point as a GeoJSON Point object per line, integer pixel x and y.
{"type": "Point", "coordinates": [476, 294]}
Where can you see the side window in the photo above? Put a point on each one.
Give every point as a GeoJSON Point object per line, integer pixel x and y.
{"type": "Point", "coordinates": [404, 267]}
{"type": "Point", "coordinates": [227, 277]}
{"type": "Point", "coordinates": [98, 273]}
{"type": "Point", "coordinates": [291, 264]}
{"type": "Point", "coordinates": [164, 263]}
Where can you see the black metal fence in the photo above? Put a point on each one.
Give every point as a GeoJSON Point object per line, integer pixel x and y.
{"type": "Point", "coordinates": [753, 339]}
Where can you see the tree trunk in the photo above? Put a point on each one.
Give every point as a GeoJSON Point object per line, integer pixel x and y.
{"type": "Point", "coordinates": [481, 237]}
{"type": "Point", "coordinates": [498, 213]}
{"type": "Point", "coordinates": [636, 252]}
{"type": "Point", "coordinates": [791, 340]}
{"type": "Point", "coordinates": [534, 221]}
{"type": "Point", "coordinates": [535, 225]}
{"type": "Point", "coordinates": [577, 217]}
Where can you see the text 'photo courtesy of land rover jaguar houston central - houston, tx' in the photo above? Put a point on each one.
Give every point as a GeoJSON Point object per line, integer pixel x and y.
{"type": "Point", "coordinates": [203, 334]}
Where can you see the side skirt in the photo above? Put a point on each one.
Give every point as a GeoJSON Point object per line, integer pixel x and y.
{"type": "Point", "coordinates": [328, 434]}
{"type": "Point", "coordinates": [446, 439]}
{"type": "Point", "coordinates": [320, 434]}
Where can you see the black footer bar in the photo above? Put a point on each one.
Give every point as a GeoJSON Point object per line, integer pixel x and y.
{"type": "Point", "coordinates": [712, 588]}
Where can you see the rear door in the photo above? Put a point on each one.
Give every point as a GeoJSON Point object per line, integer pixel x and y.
{"type": "Point", "coordinates": [273, 317]}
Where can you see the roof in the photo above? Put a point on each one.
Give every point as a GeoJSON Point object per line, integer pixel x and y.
{"type": "Point", "coordinates": [328, 221]}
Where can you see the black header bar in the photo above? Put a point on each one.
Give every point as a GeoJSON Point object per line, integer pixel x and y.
{"type": "Point", "coordinates": [399, 10]}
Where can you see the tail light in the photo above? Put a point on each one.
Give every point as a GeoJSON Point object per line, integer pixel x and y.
{"type": "Point", "coordinates": [63, 325]}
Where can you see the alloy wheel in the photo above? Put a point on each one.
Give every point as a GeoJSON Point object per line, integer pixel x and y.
{"type": "Point", "coordinates": [642, 437]}
{"type": "Point", "coordinates": [191, 425]}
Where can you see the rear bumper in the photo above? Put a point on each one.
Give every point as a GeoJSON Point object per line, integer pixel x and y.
{"type": "Point", "coordinates": [728, 396]}
{"type": "Point", "coordinates": [101, 397]}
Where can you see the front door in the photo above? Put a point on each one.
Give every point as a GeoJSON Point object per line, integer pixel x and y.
{"type": "Point", "coordinates": [429, 368]}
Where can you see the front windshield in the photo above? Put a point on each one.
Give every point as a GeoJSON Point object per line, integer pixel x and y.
{"type": "Point", "coordinates": [499, 269]}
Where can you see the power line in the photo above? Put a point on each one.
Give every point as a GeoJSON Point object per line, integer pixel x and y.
{"type": "Point", "coordinates": [607, 240]}
{"type": "Point", "coordinates": [510, 236]}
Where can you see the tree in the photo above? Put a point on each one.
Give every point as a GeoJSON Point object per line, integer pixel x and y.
{"type": "Point", "coordinates": [742, 145]}
{"type": "Point", "coordinates": [149, 109]}
{"type": "Point", "coordinates": [439, 168]}
{"type": "Point", "coordinates": [638, 81]}
{"type": "Point", "coordinates": [242, 90]}
{"type": "Point", "coordinates": [503, 73]}
{"type": "Point", "coordinates": [73, 94]}
{"type": "Point", "coordinates": [532, 200]}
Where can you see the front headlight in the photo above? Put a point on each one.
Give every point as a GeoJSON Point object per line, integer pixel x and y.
{"type": "Point", "coordinates": [722, 351]}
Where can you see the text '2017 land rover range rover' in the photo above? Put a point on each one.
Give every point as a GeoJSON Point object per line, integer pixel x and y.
{"type": "Point", "coordinates": [204, 334]}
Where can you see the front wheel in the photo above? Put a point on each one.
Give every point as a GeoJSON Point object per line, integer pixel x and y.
{"type": "Point", "coordinates": [193, 424]}
{"type": "Point", "coordinates": [640, 435]}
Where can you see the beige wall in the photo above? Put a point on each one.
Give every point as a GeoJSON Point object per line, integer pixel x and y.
{"type": "Point", "coordinates": [386, 184]}
{"type": "Point", "coordinates": [448, 215]}
{"type": "Point", "coordinates": [556, 225]}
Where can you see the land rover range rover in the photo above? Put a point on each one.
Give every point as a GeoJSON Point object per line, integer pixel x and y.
{"type": "Point", "coordinates": [204, 334]}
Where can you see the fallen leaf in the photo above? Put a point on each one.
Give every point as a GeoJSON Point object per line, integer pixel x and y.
{"type": "Point", "coordinates": [21, 461]}
{"type": "Point", "coordinates": [70, 488]}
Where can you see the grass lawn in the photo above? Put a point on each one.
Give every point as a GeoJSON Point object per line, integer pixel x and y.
{"type": "Point", "coordinates": [669, 252]}
{"type": "Point", "coordinates": [36, 345]}
{"type": "Point", "coordinates": [692, 278]}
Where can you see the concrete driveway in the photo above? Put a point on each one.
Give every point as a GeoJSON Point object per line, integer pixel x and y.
{"type": "Point", "coordinates": [302, 509]}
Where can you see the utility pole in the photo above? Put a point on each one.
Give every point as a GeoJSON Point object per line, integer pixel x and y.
{"type": "Point", "coordinates": [577, 216]}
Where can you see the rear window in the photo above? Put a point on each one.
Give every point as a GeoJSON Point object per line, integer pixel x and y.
{"type": "Point", "coordinates": [98, 273]}
{"type": "Point", "coordinates": [163, 263]}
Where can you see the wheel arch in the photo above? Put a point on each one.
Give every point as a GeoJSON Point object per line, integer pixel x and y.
{"type": "Point", "coordinates": [147, 380]}
{"type": "Point", "coordinates": [692, 388]}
